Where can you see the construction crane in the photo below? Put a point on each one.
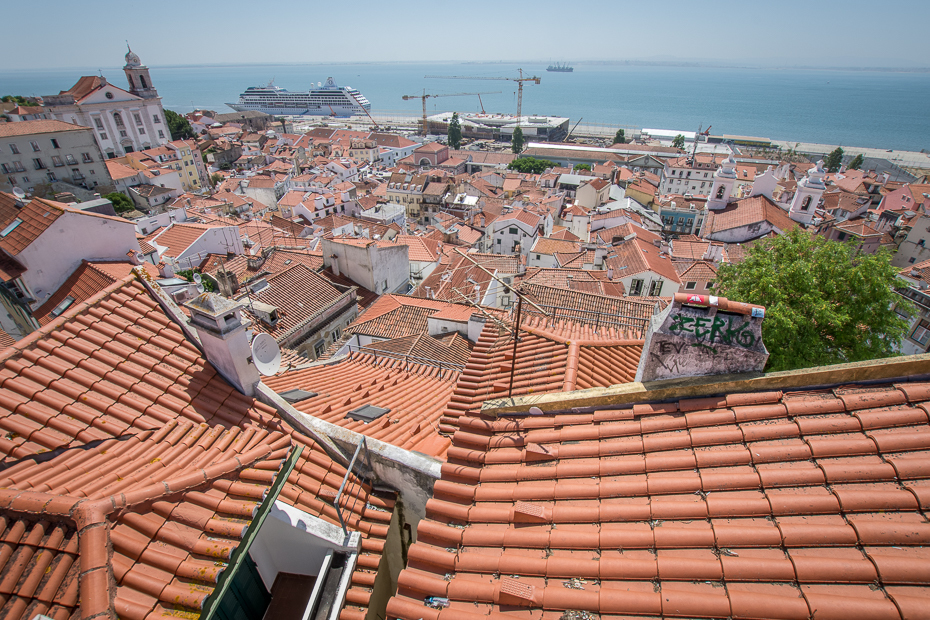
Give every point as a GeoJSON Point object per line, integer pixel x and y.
{"type": "Point", "coordinates": [426, 96]}
{"type": "Point", "coordinates": [518, 80]}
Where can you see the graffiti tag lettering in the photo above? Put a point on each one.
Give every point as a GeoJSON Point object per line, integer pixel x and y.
{"type": "Point", "coordinates": [729, 330]}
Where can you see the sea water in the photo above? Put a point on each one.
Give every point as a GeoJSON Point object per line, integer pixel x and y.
{"type": "Point", "coordinates": [860, 108]}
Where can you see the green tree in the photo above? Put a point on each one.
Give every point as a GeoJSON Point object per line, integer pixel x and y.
{"type": "Point", "coordinates": [455, 132]}
{"type": "Point", "coordinates": [825, 303]}
{"type": "Point", "coordinates": [215, 179]}
{"type": "Point", "coordinates": [178, 126]}
{"type": "Point", "coordinates": [517, 145]}
{"type": "Point", "coordinates": [530, 165]}
{"type": "Point", "coordinates": [582, 167]}
{"type": "Point", "coordinates": [121, 204]}
{"type": "Point", "coordinates": [834, 160]}
{"type": "Point", "coordinates": [679, 142]}
{"type": "Point", "coordinates": [856, 163]}
{"type": "Point", "coordinates": [620, 138]}
{"type": "Point", "coordinates": [19, 100]}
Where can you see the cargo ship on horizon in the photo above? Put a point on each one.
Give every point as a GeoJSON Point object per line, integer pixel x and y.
{"type": "Point", "coordinates": [560, 68]}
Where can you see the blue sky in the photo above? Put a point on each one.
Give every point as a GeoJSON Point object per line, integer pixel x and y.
{"type": "Point", "coordinates": [746, 32]}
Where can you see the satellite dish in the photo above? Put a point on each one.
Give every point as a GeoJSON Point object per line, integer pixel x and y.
{"type": "Point", "coordinates": [266, 355]}
{"type": "Point", "coordinates": [201, 288]}
{"type": "Point", "coordinates": [197, 278]}
{"type": "Point", "coordinates": [19, 193]}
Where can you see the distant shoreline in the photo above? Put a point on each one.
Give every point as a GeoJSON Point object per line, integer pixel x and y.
{"type": "Point", "coordinates": [612, 63]}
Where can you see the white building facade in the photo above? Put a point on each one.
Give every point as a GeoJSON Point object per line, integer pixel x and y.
{"type": "Point", "coordinates": [123, 121]}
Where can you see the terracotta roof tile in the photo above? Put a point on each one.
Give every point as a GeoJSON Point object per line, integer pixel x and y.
{"type": "Point", "coordinates": [765, 506]}
{"type": "Point", "coordinates": [748, 211]}
{"type": "Point", "coordinates": [115, 369]}
{"type": "Point", "coordinates": [415, 395]}
{"type": "Point", "coordinates": [35, 217]}
{"type": "Point", "coordinates": [87, 280]}
{"type": "Point", "coordinates": [25, 128]}
{"type": "Point", "coordinates": [178, 237]}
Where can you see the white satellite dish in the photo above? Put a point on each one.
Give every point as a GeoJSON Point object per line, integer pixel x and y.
{"type": "Point", "coordinates": [19, 193]}
{"type": "Point", "coordinates": [197, 278]}
{"type": "Point", "coordinates": [201, 288]}
{"type": "Point", "coordinates": [266, 355]}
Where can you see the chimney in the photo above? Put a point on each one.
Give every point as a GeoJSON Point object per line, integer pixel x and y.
{"type": "Point", "coordinates": [166, 269]}
{"type": "Point", "coordinates": [700, 335]}
{"type": "Point", "coordinates": [223, 333]}
{"type": "Point", "coordinates": [228, 282]}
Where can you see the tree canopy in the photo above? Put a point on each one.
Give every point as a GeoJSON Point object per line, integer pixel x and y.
{"type": "Point", "coordinates": [857, 162]}
{"type": "Point", "coordinates": [455, 132]}
{"type": "Point", "coordinates": [825, 303]}
{"type": "Point", "coordinates": [582, 167]}
{"type": "Point", "coordinates": [834, 160]}
{"type": "Point", "coordinates": [121, 204]}
{"type": "Point", "coordinates": [620, 138]}
{"type": "Point", "coordinates": [517, 145]}
{"type": "Point", "coordinates": [18, 100]}
{"type": "Point", "coordinates": [679, 141]}
{"type": "Point", "coordinates": [530, 165]}
{"type": "Point", "coordinates": [178, 126]}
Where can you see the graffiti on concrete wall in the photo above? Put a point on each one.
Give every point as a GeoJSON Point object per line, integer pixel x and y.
{"type": "Point", "coordinates": [730, 330]}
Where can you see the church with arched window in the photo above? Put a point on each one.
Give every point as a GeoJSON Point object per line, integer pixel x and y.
{"type": "Point", "coordinates": [123, 120]}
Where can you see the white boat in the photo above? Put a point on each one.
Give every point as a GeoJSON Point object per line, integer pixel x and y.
{"type": "Point", "coordinates": [325, 100]}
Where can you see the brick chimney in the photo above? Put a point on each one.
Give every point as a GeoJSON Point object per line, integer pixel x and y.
{"type": "Point", "coordinates": [700, 335]}
{"type": "Point", "coordinates": [225, 338]}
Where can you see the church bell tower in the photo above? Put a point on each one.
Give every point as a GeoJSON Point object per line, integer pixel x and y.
{"type": "Point", "coordinates": [137, 74]}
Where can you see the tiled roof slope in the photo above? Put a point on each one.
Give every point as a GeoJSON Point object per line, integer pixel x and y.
{"type": "Point", "coordinates": [451, 351]}
{"type": "Point", "coordinates": [160, 565]}
{"type": "Point", "coordinates": [87, 280]}
{"type": "Point", "coordinates": [116, 365]}
{"type": "Point", "coordinates": [36, 216]}
{"type": "Point", "coordinates": [6, 340]}
{"type": "Point", "coordinates": [551, 357]}
{"type": "Point", "coordinates": [393, 316]}
{"type": "Point", "coordinates": [753, 505]}
{"type": "Point", "coordinates": [591, 309]}
{"type": "Point", "coordinates": [415, 394]}
{"type": "Point", "coordinates": [300, 294]}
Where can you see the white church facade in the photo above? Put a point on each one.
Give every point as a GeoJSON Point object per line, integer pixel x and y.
{"type": "Point", "coordinates": [123, 120]}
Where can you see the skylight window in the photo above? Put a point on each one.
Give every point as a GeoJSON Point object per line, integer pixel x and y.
{"type": "Point", "coordinates": [63, 306]}
{"type": "Point", "coordinates": [367, 413]}
{"type": "Point", "coordinates": [10, 227]}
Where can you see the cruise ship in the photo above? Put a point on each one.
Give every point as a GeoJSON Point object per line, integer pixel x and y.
{"type": "Point", "coordinates": [325, 100]}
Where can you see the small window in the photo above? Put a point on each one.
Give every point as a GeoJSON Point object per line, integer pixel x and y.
{"type": "Point", "coordinates": [35, 146]}
{"type": "Point", "coordinates": [367, 413]}
{"type": "Point", "coordinates": [55, 144]}
{"type": "Point", "coordinates": [103, 136]}
{"type": "Point", "coordinates": [841, 236]}
{"type": "Point", "coordinates": [87, 158]}
{"type": "Point", "coordinates": [921, 243]}
{"type": "Point", "coordinates": [710, 284]}
{"type": "Point", "coordinates": [156, 119]}
{"type": "Point", "coordinates": [161, 134]}
{"type": "Point", "coordinates": [921, 333]}
{"type": "Point", "coordinates": [62, 306]}
{"type": "Point", "coordinates": [98, 122]}
{"type": "Point", "coordinates": [512, 230]}
{"type": "Point", "coordinates": [138, 118]}
{"type": "Point", "coordinates": [56, 160]}
{"type": "Point", "coordinates": [538, 257]}
{"type": "Point", "coordinates": [10, 227]}
{"type": "Point", "coordinates": [911, 260]}
{"type": "Point", "coordinates": [318, 349]}
{"type": "Point", "coordinates": [690, 286]}
{"type": "Point", "coordinates": [69, 159]}
{"type": "Point", "coordinates": [14, 149]}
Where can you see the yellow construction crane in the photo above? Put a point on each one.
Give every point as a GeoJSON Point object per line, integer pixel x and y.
{"type": "Point", "coordinates": [518, 80]}
{"type": "Point", "coordinates": [426, 96]}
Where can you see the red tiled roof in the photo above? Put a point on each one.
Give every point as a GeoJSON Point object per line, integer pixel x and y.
{"type": "Point", "coordinates": [300, 294]}
{"type": "Point", "coordinates": [752, 505]}
{"type": "Point", "coordinates": [748, 211]}
{"type": "Point", "coordinates": [6, 340]}
{"type": "Point", "coordinates": [418, 248]}
{"type": "Point", "coordinates": [548, 245]}
{"type": "Point", "coordinates": [592, 309]}
{"type": "Point", "coordinates": [25, 128]}
{"type": "Point", "coordinates": [697, 271]}
{"type": "Point", "coordinates": [87, 280]}
{"type": "Point", "coordinates": [178, 237]}
{"type": "Point", "coordinates": [552, 356]}
{"type": "Point", "coordinates": [110, 370]}
{"type": "Point", "coordinates": [36, 216]}
{"type": "Point", "coordinates": [636, 256]}
{"type": "Point", "coordinates": [393, 316]}
{"type": "Point", "coordinates": [415, 394]}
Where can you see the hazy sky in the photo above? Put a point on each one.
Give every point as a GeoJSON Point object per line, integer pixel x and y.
{"type": "Point", "coordinates": [744, 32]}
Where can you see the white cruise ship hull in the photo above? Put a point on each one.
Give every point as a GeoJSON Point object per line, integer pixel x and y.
{"type": "Point", "coordinates": [325, 100]}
